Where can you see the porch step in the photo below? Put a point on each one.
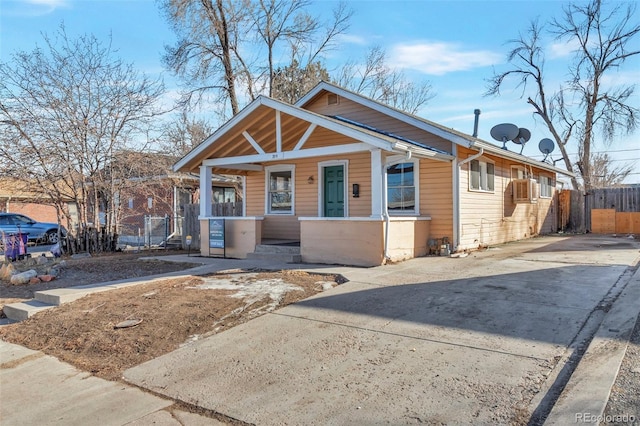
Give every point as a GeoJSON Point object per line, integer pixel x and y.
{"type": "Point", "coordinates": [22, 310]}
{"type": "Point", "coordinates": [276, 253]}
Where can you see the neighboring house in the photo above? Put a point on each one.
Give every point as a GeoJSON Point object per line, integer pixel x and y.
{"type": "Point", "coordinates": [357, 182]}
{"type": "Point", "coordinates": [165, 196]}
{"type": "Point", "coordinates": [18, 196]}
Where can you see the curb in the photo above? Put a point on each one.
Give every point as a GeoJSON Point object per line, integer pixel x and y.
{"type": "Point", "coordinates": [586, 395]}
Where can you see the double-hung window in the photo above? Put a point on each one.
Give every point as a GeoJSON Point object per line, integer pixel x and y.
{"type": "Point", "coordinates": [401, 187]}
{"type": "Point", "coordinates": [481, 176]}
{"type": "Point", "coordinates": [280, 187]}
{"type": "Point", "coordinates": [546, 186]}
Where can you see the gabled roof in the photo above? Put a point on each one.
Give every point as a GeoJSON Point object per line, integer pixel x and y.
{"type": "Point", "coordinates": [376, 139]}
{"type": "Point", "coordinates": [444, 132]}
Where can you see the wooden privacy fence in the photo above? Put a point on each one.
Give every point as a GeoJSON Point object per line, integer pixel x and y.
{"type": "Point", "coordinates": [191, 225]}
{"type": "Point", "coordinates": [602, 211]}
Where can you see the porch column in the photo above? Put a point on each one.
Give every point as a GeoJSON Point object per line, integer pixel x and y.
{"type": "Point", "coordinates": [205, 191]}
{"type": "Point", "coordinates": [377, 183]}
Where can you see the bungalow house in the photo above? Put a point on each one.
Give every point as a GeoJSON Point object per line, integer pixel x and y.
{"type": "Point", "coordinates": [357, 182]}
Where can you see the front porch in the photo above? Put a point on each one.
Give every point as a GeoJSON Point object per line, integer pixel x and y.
{"type": "Point", "coordinates": [360, 241]}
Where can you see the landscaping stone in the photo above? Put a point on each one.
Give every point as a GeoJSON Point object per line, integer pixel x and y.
{"type": "Point", "coordinates": [23, 277]}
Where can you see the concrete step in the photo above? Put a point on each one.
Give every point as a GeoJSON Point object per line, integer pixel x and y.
{"type": "Point", "coordinates": [22, 310]}
{"type": "Point", "coordinates": [276, 257]}
{"type": "Point", "coordinates": [275, 249]}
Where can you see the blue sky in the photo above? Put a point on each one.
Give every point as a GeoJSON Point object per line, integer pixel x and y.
{"type": "Point", "coordinates": [455, 45]}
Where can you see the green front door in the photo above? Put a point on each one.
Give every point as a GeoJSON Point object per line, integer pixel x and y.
{"type": "Point", "coordinates": [334, 191]}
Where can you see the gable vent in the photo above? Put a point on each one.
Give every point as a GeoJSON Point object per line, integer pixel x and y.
{"type": "Point", "coordinates": [332, 99]}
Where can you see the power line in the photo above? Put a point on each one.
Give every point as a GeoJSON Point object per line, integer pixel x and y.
{"type": "Point", "coordinates": [596, 152]}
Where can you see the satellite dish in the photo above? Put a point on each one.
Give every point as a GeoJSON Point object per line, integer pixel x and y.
{"type": "Point", "coordinates": [523, 137]}
{"type": "Point", "coordinates": [546, 146]}
{"type": "Point", "coordinates": [504, 132]}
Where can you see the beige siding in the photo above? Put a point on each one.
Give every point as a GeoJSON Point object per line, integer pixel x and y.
{"type": "Point", "coordinates": [492, 217]}
{"type": "Point", "coordinates": [306, 194]}
{"type": "Point", "coordinates": [361, 114]}
{"type": "Point", "coordinates": [436, 197]}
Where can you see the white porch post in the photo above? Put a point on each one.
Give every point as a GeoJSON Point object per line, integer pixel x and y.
{"type": "Point", "coordinates": [377, 187]}
{"type": "Point", "coordinates": [205, 191]}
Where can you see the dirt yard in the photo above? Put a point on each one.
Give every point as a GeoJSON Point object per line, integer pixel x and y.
{"type": "Point", "coordinates": [170, 312]}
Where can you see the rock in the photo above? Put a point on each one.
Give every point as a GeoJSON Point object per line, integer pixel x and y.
{"type": "Point", "coordinates": [6, 271]}
{"type": "Point", "coordinates": [636, 370]}
{"type": "Point", "coordinates": [23, 277]}
{"type": "Point", "coordinates": [54, 272]}
{"type": "Point", "coordinates": [326, 285]}
{"type": "Point", "coordinates": [46, 278]}
{"type": "Point", "coordinates": [42, 260]}
{"type": "Point", "coordinates": [62, 264]}
{"type": "Point", "coordinates": [35, 280]}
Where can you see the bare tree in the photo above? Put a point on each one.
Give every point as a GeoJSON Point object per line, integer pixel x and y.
{"type": "Point", "coordinates": [583, 104]}
{"type": "Point", "coordinates": [377, 80]}
{"type": "Point", "coordinates": [605, 174]}
{"type": "Point", "coordinates": [224, 44]}
{"type": "Point", "coordinates": [64, 112]}
{"type": "Point", "coordinates": [183, 134]}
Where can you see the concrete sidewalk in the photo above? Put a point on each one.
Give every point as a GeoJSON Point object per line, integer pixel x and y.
{"type": "Point", "coordinates": [475, 340]}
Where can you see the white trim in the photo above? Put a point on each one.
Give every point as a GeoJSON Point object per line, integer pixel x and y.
{"type": "Point", "coordinates": [278, 132]}
{"type": "Point", "coordinates": [288, 155]}
{"type": "Point", "coordinates": [345, 168]}
{"type": "Point", "coordinates": [253, 142]}
{"type": "Point", "coordinates": [305, 137]}
{"type": "Point", "coordinates": [244, 196]}
{"type": "Point", "coordinates": [455, 181]}
{"type": "Point", "coordinates": [214, 137]}
{"type": "Point", "coordinates": [377, 183]}
{"type": "Point", "coordinates": [206, 194]}
{"type": "Point", "coordinates": [416, 184]}
{"type": "Point", "coordinates": [485, 160]}
{"type": "Point", "coordinates": [280, 168]}
{"type": "Point", "coordinates": [366, 219]}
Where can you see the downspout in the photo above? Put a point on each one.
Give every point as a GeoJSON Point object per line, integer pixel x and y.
{"type": "Point", "coordinates": [457, 197]}
{"type": "Point", "coordinates": [385, 214]}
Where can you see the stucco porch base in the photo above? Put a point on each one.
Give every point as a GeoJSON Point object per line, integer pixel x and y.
{"type": "Point", "coordinates": [360, 241]}
{"type": "Point", "coordinates": [242, 234]}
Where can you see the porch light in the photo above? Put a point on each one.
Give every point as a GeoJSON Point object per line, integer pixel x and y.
{"type": "Point", "coordinates": [310, 180]}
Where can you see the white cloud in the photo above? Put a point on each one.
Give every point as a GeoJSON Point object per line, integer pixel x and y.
{"type": "Point", "coordinates": [440, 58]}
{"type": "Point", "coordinates": [35, 7]}
{"type": "Point", "coordinates": [563, 49]}
{"type": "Point", "coordinates": [352, 39]}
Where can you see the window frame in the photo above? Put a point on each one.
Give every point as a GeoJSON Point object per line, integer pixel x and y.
{"type": "Point", "coordinates": [267, 189]}
{"type": "Point", "coordinates": [550, 185]}
{"type": "Point", "coordinates": [487, 162]}
{"type": "Point", "coordinates": [416, 186]}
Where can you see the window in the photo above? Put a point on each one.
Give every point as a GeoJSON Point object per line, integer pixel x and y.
{"type": "Point", "coordinates": [150, 202]}
{"type": "Point", "coordinates": [481, 176]}
{"type": "Point", "coordinates": [517, 172]}
{"type": "Point", "coordinates": [401, 188]}
{"type": "Point", "coordinates": [224, 195]}
{"type": "Point", "coordinates": [130, 203]}
{"type": "Point", "coordinates": [280, 190]}
{"type": "Point", "coordinates": [546, 186]}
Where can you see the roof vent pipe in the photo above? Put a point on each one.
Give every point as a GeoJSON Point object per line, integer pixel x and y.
{"type": "Point", "coordinates": [475, 122]}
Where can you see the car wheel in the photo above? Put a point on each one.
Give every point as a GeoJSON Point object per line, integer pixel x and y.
{"type": "Point", "coordinates": [52, 237]}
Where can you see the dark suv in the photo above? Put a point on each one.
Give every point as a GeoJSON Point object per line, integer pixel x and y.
{"type": "Point", "coordinates": [38, 232]}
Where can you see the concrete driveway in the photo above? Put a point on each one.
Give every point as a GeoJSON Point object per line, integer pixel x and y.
{"type": "Point", "coordinates": [480, 339]}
